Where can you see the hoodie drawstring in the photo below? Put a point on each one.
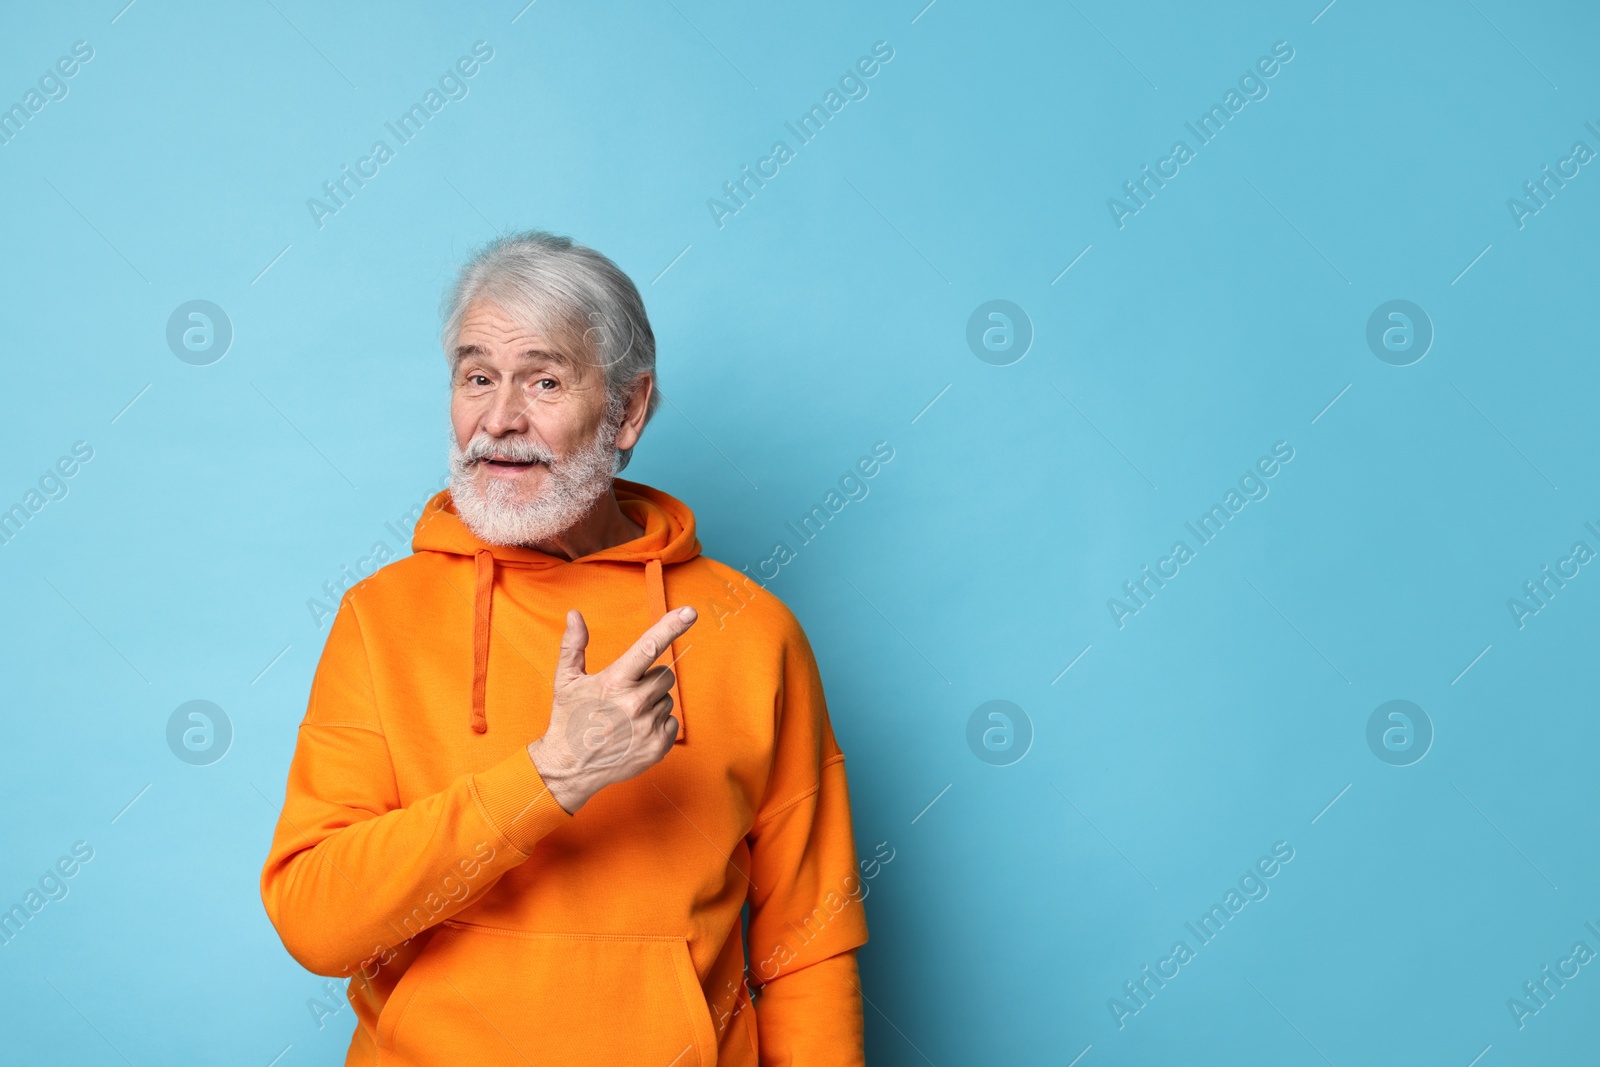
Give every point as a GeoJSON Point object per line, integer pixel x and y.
{"type": "Point", "coordinates": [656, 590]}
{"type": "Point", "coordinates": [483, 606]}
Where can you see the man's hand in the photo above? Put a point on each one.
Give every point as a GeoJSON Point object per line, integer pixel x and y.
{"type": "Point", "coordinates": [609, 726]}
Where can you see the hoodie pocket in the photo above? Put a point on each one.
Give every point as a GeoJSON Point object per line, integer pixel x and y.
{"type": "Point", "coordinates": [481, 994]}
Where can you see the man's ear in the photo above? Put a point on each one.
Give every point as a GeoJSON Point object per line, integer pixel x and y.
{"type": "Point", "coordinates": [638, 405]}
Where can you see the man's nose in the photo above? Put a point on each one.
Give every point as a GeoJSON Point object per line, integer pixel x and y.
{"type": "Point", "coordinates": [508, 412]}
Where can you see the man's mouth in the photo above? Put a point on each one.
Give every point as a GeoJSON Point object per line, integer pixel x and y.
{"type": "Point", "coordinates": [508, 465]}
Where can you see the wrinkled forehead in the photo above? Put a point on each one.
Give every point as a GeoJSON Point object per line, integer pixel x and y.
{"type": "Point", "coordinates": [546, 330]}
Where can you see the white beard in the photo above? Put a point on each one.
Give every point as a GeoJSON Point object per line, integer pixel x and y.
{"type": "Point", "coordinates": [572, 485]}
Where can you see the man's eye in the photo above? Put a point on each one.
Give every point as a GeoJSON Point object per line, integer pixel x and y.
{"type": "Point", "coordinates": [553, 383]}
{"type": "Point", "coordinates": [477, 379]}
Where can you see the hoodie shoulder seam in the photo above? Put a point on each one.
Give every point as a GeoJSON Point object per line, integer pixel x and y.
{"type": "Point", "coordinates": [366, 660]}
{"type": "Point", "coordinates": [787, 804]}
{"type": "Point", "coordinates": [369, 728]}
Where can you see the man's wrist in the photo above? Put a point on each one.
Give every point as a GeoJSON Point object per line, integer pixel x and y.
{"type": "Point", "coordinates": [563, 782]}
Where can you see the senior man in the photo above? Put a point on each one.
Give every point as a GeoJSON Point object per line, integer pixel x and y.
{"type": "Point", "coordinates": [528, 803]}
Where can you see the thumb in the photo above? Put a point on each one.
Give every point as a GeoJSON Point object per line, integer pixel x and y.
{"type": "Point", "coordinates": [570, 663]}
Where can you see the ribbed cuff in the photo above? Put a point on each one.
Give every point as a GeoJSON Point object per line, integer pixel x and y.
{"type": "Point", "coordinates": [514, 798]}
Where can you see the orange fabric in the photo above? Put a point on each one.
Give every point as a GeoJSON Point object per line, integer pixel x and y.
{"type": "Point", "coordinates": [482, 605]}
{"type": "Point", "coordinates": [656, 590]}
{"type": "Point", "coordinates": [420, 854]}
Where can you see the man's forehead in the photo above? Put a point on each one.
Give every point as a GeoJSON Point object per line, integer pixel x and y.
{"type": "Point", "coordinates": [526, 349]}
{"type": "Point", "coordinates": [482, 333]}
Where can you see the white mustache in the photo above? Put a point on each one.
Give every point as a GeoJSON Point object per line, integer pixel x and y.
{"type": "Point", "coordinates": [514, 449]}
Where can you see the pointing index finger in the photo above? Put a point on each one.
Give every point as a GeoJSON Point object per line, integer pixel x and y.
{"type": "Point", "coordinates": [633, 663]}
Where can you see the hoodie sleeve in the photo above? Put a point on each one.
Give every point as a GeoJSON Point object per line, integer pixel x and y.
{"type": "Point", "coordinates": [352, 874]}
{"type": "Point", "coordinates": [806, 913]}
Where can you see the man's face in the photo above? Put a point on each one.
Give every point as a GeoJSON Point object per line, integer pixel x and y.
{"type": "Point", "coordinates": [533, 439]}
{"type": "Point", "coordinates": [524, 393]}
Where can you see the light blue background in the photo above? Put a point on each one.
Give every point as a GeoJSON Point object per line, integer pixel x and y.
{"type": "Point", "coordinates": [823, 317]}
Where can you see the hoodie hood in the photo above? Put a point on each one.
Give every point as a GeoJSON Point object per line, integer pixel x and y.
{"type": "Point", "coordinates": [668, 538]}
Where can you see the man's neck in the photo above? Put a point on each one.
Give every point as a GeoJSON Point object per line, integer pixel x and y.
{"type": "Point", "coordinates": [605, 526]}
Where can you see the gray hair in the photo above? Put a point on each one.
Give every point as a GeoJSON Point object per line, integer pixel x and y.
{"type": "Point", "coordinates": [566, 291]}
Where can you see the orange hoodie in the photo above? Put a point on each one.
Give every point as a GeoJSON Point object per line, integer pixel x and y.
{"type": "Point", "coordinates": [420, 854]}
